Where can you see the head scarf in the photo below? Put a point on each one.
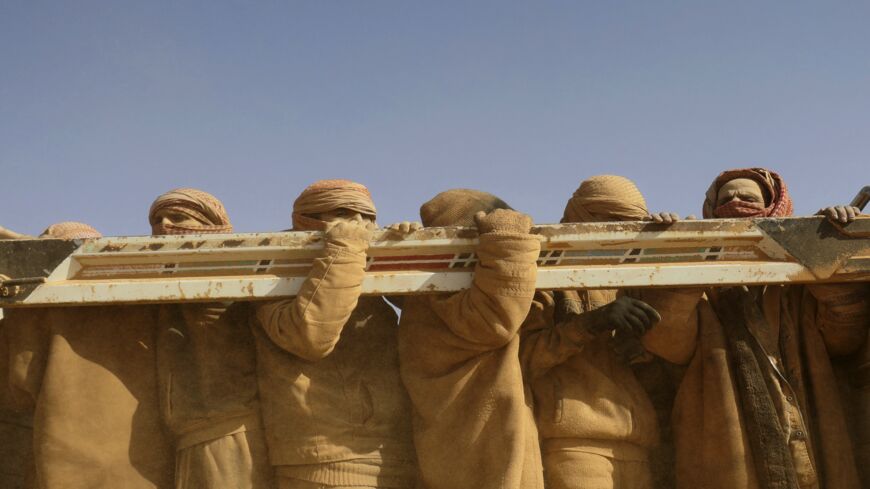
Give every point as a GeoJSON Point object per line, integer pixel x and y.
{"type": "Point", "coordinates": [201, 206]}
{"type": "Point", "coordinates": [329, 195]}
{"type": "Point", "coordinates": [70, 230]}
{"type": "Point", "coordinates": [777, 201]}
{"type": "Point", "coordinates": [457, 207]}
{"type": "Point", "coordinates": [606, 198]}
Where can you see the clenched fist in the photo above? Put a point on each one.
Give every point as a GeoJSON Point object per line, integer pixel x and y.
{"type": "Point", "coordinates": [624, 316]}
{"type": "Point", "coordinates": [349, 229]}
{"type": "Point", "coordinates": [503, 221]}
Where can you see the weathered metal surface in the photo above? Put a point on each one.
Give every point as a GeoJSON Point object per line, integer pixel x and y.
{"type": "Point", "coordinates": [860, 201]}
{"type": "Point", "coordinates": [270, 265]}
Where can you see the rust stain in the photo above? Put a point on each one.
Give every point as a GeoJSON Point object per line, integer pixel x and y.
{"type": "Point", "coordinates": [109, 248]}
{"type": "Point", "coordinates": [232, 243]}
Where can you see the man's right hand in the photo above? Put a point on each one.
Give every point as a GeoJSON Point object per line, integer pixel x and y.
{"type": "Point", "coordinates": [503, 221]}
{"type": "Point", "coordinates": [625, 316]}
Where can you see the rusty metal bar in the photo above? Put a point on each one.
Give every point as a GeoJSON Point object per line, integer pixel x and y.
{"type": "Point", "coordinates": [270, 265]}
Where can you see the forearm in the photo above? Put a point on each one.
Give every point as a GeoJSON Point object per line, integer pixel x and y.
{"type": "Point", "coordinates": [310, 324]}
{"type": "Point", "coordinates": [490, 313]}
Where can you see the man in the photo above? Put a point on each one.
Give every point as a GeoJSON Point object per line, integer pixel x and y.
{"type": "Point", "coordinates": [207, 368]}
{"type": "Point", "coordinates": [473, 423]}
{"type": "Point", "coordinates": [759, 406]}
{"type": "Point", "coordinates": [87, 374]}
{"type": "Point", "coordinates": [335, 412]}
{"type": "Point", "coordinates": [596, 422]}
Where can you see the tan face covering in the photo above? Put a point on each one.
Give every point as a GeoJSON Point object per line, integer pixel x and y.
{"type": "Point", "coordinates": [741, 197]}
{"type": "Point", "coordinates": [188, 211]}
{"type": "Point", "coordinates": [327, 196]}
{"type": "Point", "coordinates": [775, 203]}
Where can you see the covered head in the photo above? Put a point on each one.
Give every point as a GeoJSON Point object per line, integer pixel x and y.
{"type": "Point", "coordinates": [188, 211]}
{"type": "Point", "coordinates": [325, 196]}
{"type": "Point", "coordinates": [457, 207]}
{"type": "Point", "coordinates": [747, 192]}
{"type": "Point", "coordinates": [70, 230]}
{"type": "Point", "coordinates": [606, 198]}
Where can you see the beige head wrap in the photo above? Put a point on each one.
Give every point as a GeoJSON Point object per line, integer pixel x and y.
{"type": "Point", "coordinates": [329, 195]}
{"type": "Point", "coordinates": [70, 230]}
{"type": "Point", "coordinates": [200, 206]}
{"type": "Point", "coordinates": [457, 207]}
{"type": "Point", "coordinates": [777, 199]}
{"type": "Point", "coordinates": [606, 198]}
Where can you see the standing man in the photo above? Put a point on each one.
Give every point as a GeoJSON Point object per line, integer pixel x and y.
{"type": "Point", "coordinates": [759, 405]}
{"type": "Point", "coordinates": [473, 421]}
{"type": "Point", "coordinates": [596, 421]}
{"type": "Point", "coordinates": [207, 368]}
{"type": "Point", "coordinates": [87, 374]}
{"type": "Point", "coordinates": [335, 412]}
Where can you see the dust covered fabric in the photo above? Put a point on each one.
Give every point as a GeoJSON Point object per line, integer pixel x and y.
{"type": "Point", "coordinates": [70, 230]}
{"type": "Point", "coordinates": [200, 206]}
{"type": "Point", "coordinates": [778, 201]}
{"type": "Point", "coordinates": [606, 198]}
{"type": "Point", "coordinates": [329, 195]}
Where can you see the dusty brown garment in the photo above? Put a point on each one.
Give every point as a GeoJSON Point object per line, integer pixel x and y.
{"type": "Point", "coordinates": [716, 435]}
{"type": "Point", "coordinates": [457, 207]}
{"type": "Point", "coordinates": [856, 373]}
{"type": "Point", "coordinates": [580, 469]}
{"type": "Point", "coordinates": [473, 421]}
{"type": "Point", "coordinates": [208, 395]}
{"type": "Point", "coordinates": [329, 195]}
{"type": "Point", "coordinates": [586, 399]}
{"type": "Point", "coordinates": [70, 230]}
{"type": "Point", "coordinates": [333, 404]}
{"type": "Point", "coordinates": [202, 207]}
{"type": "Point", "coordinates": [207, 370]}
{"type": "Point", "coordinates": [88, 373]}
{"type": "Point", "coordinates": [16, 429]}
{"type": "Point", "coordinates": [606, 198]}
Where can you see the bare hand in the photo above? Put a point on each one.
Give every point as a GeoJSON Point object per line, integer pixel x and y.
{"type": "Point", "coordinates": [504, 221]}
{"type": "Point", "coordinates": [840, 213]}
{"type": "Point", "coordinates": [663, 217]}
{"type": "Point", "coordinates": [404, 228]}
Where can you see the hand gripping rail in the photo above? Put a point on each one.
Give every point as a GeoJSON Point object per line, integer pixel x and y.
{"type": "Point", "coordinates": [271, 265]}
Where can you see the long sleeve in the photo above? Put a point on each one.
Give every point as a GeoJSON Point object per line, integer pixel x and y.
{"type": "Point", "coordinates": [26, 336]}
{"type": "Point", "coordinates": [310, 324]}
{"type": "Point", "coordinates": [675, 337]}
{"type": "Point", "coordinates": [489, 314]}
{"type": "Point", "coordinates": [843, 315]}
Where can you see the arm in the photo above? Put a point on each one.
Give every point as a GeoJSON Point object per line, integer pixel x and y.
{"type": "Point", "coordinates": [843, 315]}
{"type": "Point", "coordinates": [310, 324]}
{"type": "Point", "coordinates": [675, 337]}
{"type": "Point", "coordinates": [488, 315]}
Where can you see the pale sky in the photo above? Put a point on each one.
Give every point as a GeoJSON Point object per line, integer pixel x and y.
{"type": "Point", "coordinates": [105, 105]}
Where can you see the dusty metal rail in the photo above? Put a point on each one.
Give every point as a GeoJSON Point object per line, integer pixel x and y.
{"type": "Point", "coordinates": [270, 265]}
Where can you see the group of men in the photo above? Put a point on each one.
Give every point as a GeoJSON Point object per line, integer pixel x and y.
{"type": "Point", "coordinates": [499, 386]}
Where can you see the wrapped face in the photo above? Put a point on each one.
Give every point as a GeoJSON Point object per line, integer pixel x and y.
{"type": "Point", "coordinates": [342, 214]}
{"type": "Point", "coordinates": [740, 189]}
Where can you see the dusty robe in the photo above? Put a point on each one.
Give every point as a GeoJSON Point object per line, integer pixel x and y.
{"type": "Point", "coordinates": [88, 374]}
{"type": "Point", "coordinates": [208, 392]}
{"type": "Point", "coordinates": [759, 406]}
{"type": "Point", "coordinates": [473, 420]}
{"type": "Point", "coordinates": [587, 400]}
{"type": "Point", "coordinates": [333, 404]}
{"type": "Point", "coordinates": [16, 428]}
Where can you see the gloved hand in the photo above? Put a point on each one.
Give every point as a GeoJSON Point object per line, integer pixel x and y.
{"type": "Point", "coordinates": [339, 231]}
{"type": "Point", "coordinates": [503, 221]}
{"type": "Point", "coordinates": [622, 316]}
{"type": "Point", "coordinates": [840, 213]}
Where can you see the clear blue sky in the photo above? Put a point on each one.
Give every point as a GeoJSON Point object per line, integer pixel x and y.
{"type": "Point", "coordinates": [104, 105]}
